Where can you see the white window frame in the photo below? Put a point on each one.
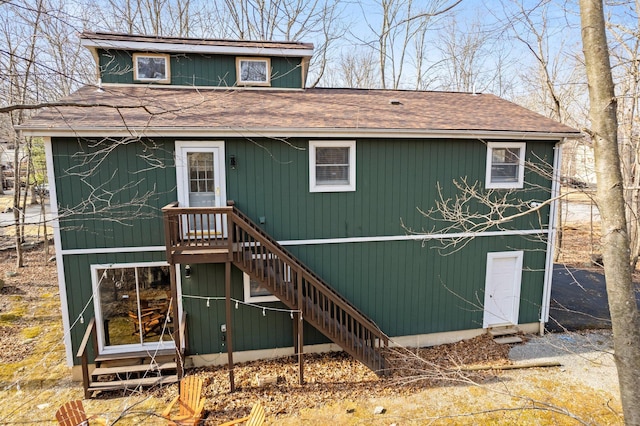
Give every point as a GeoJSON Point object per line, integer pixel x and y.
{"type": "Point", "coordinates": [266, 82]}
{"type": "Point", "coordinates": [522, 146]}
{"type": "Point", "coordinates": [313, 185]}
{"type": "Point", "coordinates": [167, 67]}
{"type": "Point", "coordinates": [246, 280]}
{"type": "Point", "coordinates": [95, 280]}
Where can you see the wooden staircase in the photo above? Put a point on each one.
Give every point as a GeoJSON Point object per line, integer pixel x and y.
{"type": "Point", "coordinates": [233, 237]}
{"type": "Point", "coordinates": [128, 372]}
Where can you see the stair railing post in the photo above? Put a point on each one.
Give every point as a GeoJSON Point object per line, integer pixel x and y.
{"type": "Point", "coordinates": [227, 286]}
{"type": "Point", "coordinates": [176, 320]}
{"type": "Point", "coordinates": [300, 327]}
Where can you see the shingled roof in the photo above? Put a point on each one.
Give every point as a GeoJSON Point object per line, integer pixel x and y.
{"type": "Point", "coordinates": [168, 111]}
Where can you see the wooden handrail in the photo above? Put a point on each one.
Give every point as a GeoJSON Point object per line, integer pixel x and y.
{"type": "Point", "coordinates": [284, 254]}
{"type": "Point", "coordinates": [261, 256]}
{"type": "Point", "coordinates": [84, 357]}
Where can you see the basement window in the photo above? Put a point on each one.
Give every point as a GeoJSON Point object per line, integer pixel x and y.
{"type": "Point", "coordinates": [271, 267]}
{"type": "Point", "coordinates": [505, 165]}
{"type": "Point", "coordinates": [332, 166]}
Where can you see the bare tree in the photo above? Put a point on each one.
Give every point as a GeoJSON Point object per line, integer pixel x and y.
{"type": "Point", "coordinates": [625, 318]}
{"type": "Point", "coordinates": [291, 20]}
{"type": "Point", "coordinates": [402, 25]}
{"type": "Point", "coordinates": [625, 55]}
{"type": "Point", "coordinates": [463, 51]}
{"type": "Point", "coordinates": [37, 64]}
{"type": "Point", "coordinates": [178, 18]}
{"type": "Point", "coordinates": [358, 70]}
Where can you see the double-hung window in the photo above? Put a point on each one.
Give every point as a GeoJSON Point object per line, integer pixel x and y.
{"type": "Point", "coordinates": [505, 164]}
{"type": "Point", "coordinates": [332, 166]}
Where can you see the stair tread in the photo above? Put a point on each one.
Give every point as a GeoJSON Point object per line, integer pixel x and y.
{"type": "Point", "coordinates": [140, 368]}
{"type": "Point", "coordinates": [507, 340]}
{"type": "Point", "coordinates": [135, 355]}
{"type": "Point", "coordinates": [503, 331]}
{"type": "Point", "coordinates": [132, 383]}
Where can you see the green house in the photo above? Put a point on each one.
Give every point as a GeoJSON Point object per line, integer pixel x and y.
{"type": "Point", "coordinates": [210, 206]}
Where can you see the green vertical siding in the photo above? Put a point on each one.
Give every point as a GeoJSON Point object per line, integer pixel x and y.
{"type": "Point", "coordinates": [394, 178]}
{"type": "Point", "coordinates": [110, 194]}
{"type": "Point", "coordinates": [116, 66]}
{"type": "Point", "coordinates": [251, 328]}
{"type": "Point", "coordinates": [410, 289]}
{"type": "Point", "coordinates": [405, 287]}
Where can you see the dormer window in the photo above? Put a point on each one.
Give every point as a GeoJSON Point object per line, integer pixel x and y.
{"type": "Point", "coordinates": [151, 67]}
{"type": "Point", "coordinates": [253, 71]}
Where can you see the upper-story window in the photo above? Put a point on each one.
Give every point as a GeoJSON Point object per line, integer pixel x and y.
{"type": "Point", "coordinates": [152, 67]}
{"type": "Point", "coordinates": [505, 164]}
{"type": "Point", "coordinates": [332, 166]}
{"type": "Point", "coordinates": [253, 71]}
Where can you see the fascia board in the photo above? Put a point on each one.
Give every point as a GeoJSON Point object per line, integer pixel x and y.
{"type": "Point", "coordinates": [188, 48]}
{"type": "Point", "coordinates": [292, 132]}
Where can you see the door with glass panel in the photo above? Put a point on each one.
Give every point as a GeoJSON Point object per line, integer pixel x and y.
{"type": "Point", "coordinates": [201, 183]}
{"type": "Point", "coordinates": [134, 306]}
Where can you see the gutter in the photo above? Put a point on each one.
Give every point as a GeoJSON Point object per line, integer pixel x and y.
{"type": "Point", "coordinates": [185, 131]}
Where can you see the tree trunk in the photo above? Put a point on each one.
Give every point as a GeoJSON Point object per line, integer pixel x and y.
{"type": "Point", "coordinates": [625, 320]}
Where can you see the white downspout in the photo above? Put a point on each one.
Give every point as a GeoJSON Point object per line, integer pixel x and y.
{"type": "Point", "coordinates": [551, 242]}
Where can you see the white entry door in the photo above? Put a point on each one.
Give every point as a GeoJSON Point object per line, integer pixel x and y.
{"type": "Point", "coordinates": [201, 178]}
{"type": "Point", "coordinates": [502, 288]}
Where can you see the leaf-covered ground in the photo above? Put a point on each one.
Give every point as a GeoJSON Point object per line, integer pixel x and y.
{"type": "Point", "coordinates": [424, 389]}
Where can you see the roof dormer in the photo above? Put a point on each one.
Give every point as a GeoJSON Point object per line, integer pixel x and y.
{"type": "Point", "coordinates": [189, 62]}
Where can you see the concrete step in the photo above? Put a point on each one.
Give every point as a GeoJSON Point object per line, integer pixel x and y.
{"type": "Point", "coordinates": [507, 340]}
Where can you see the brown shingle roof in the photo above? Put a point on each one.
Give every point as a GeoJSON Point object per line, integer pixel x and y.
{"type": "Point", "coordinates": [157, 109]}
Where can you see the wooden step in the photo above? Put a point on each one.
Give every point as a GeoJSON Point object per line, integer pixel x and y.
{"type": "Point", "coordinates": [503, 331]}
{"type": "Point", "coordinates": [132, 369]}
{"type": "Point", "coordinates": [133, 383]}
{"type": "Point", "coordinates": [135, 355]}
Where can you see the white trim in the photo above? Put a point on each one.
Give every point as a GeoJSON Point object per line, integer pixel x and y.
{"type": "Point", "coordinates": [516, 283]}
{"type": "Point", "coordinates": [181, 168]}
{"type": "Point", "coordinates": [246, 285]}
{"type": "Point", "coordinates": [522, 146]}
{"type": "Point", "coordinates": [108, 250]}
{"type": "Point", "coordinates": [57, 241]}
{"type": "Point", "coordinates": [221, 88]}
{"type": "Point", "coordinates": [194, 48]}
{"type": "Point", "coordinates": [417, 237]}
{"type": "Point", "coordinates": [185, 132]}
{"type": "Point", "coordinates": [375, 239]}
{"type": "Point", "coordinates": [313, 185]}
{"type": "Point", "coordinates": [114, 349]}
{"type": "Point", "coordinates": [241, 82]}
{"type": "Point", "coordinates": [167, 67]}
{"type": "Point", "coordinates": [551, 237]}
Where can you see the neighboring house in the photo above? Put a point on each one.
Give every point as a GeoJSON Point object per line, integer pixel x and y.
{"type": "Point", "coordinates": [324, 184]}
